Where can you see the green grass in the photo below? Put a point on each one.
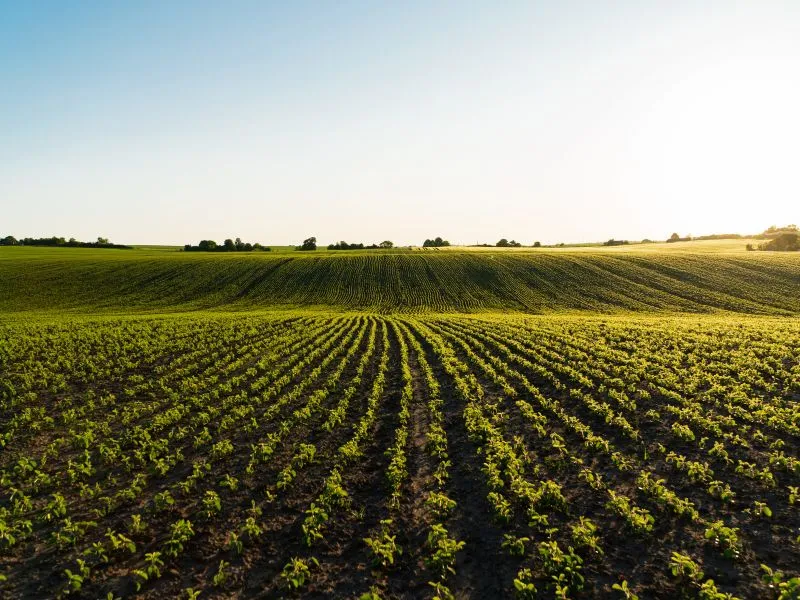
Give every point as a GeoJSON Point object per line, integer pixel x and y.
{"type": "Point", "coordinates": [689, 277]}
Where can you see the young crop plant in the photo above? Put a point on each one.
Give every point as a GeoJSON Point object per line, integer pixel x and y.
{"type": "Point", "coordinates": [584, 534]}
{"type": "Point", "coordinates": [315, 518]}
{"type": "Point", "coordinates": [251, 528]}
{"type": "Point", "coordinates": [721, 490]}
{"type": "Point", "coordinates": [75, 581]}
{"type": "Point", "coordinates": [788, 589]}
{"type": "Point", "coordinates": [221, 576]}
{"type": "Point", "coordinates": [180, 533]}
{"type": "Point", "coordinates": [444, 549]}
{"type": "Point", "coordinates": [639, 519]}
{"type": "Point", "coordinates": [514, 545]}
{"type": "Point", "coordinates": [230, 482]}
{"type": "Point", "coordinates": [683, 432]}
{"type": "Point", "coordinates": [234, 543]}
{"type": "Point", "coordinates": [163, 501]}
{"type": "Point", "coordinates": [136, 525]}
{"type": "Point", "coordinates": [212, 505]}
{"type": "Point", "coordinates": [151, 570]}
{"type": "Point", "coordinates": [384, 546]}
{"type": "Point", "coordinates": [55, 509]}
{"type": "Point", "coordinates": [374, 593]}
{"type": "Point", "coordinates": [524, 587]}
{"type": "Point", "coordinates": [725, 538]}
{"type": "Point", "coordinates": [760, 509]}
{"type": "Point", "coordinates": [119, 542]}
{"type": "Point", "coordinates": [682, 565]}
{"type": "Point", "coordinates": [564, 568]}
{"type": "Point", "coordinates": [441, 591]}
{"type": "Point", "coordinates": [297, 572]}
{"type": "Point", "coordinates": [624, 589]}
{"type": "Point", "coordinates": [439, 504]}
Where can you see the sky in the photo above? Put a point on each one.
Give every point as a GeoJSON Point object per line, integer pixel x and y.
{"type": "Point", "coordinates": [156, 122]}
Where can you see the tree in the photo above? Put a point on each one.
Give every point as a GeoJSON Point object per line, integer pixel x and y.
{"type": "Point", "coordinates": [9, 240]}
{"type": "Point", "coordinates": [537, 244]}
{"type": "Point", "coordinates": [785, 242]}
{"type": "Point", "coordinates": [309, 244]}
{"type": "Point", "coordinates": [228, 245]}
{"type": "Point", "coordinates": [207, 245]}
{"type": "Point", "coordinates": [674, 238]}
{"type": "Point", "coordinates": [503, 243]}
{"type": "Point", "coordinates": [102, 240]}
{"type": "Point", "coordinates": [387, 244]}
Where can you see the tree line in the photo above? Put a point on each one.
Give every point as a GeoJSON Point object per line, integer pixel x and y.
{"type": "Point", "coordinates": [55, 241]}
{"type": "Point", "coordinates": [779, 239]}
{"type": "Point", "coordinates": [310, 244]}
{"type": "Point", "coordinates": [228, 245]}
{"type": "Point", "coordinates": [435, 243]}
{"type": "Point", "coordinates": [342, 245]}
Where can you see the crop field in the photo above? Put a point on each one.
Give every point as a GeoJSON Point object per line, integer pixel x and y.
{"type": "Point", "coordinates": [587, 281]}
{"type": "Point", "coordinates": [324, 454]}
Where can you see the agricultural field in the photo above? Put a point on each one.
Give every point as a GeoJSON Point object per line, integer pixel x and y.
{"type": "Point", "coordinates": [698, 277]}
{"type": "Point", "coordinates": [366, 455]}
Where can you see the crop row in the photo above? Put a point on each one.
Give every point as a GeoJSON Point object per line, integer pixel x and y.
{"type": "Point", "coordinates": [373, 456]}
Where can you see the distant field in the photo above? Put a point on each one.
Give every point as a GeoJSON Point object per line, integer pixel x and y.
{"type": "Point", "coordinates": [397, 424]}
{"type": "Point", "coordinates": [699, 278]}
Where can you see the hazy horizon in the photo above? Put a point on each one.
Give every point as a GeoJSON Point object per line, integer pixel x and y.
{"type": "Point", "coordinates": [167, 123]}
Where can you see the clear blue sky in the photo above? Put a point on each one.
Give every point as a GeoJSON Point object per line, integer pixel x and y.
{"type": "Point", "coordinates": [170, 122]}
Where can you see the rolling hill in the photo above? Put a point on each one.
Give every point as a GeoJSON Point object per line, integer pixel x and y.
{"type": "Point", "coordinates": [583, 280]}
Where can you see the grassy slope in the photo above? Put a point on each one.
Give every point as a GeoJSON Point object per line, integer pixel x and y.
{"type": "Point", "coordinates": [702, 277]}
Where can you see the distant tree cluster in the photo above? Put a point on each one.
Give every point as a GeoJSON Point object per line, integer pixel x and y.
{"type": "Point", "coordinates": [787, 241]}
{"type": "Point", "coordinates": [308, 244]}
{"type": "Point", "coordinates": [101, 242]}
{"type": "Point", "coordinates": [504, 243]}
{"type": "Point", "coordinates": [779, 239]}
{"type": "Point", "coordinates": [714, 236]}
{"type": "Point", "coordinates": [342, 245]}
{"type": "Point", "coordinates": [676, 238]}
{"type": "Point", "coordinates": [773, 231]}
{"type": "Point", "coordinates": [435, 243]}
{"type": "Point", "coordinates": [613, 242]}
{"type": "Point", "coordinates": [228, 245]}
{"type": "Point", "coordinates": [788, 229]}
